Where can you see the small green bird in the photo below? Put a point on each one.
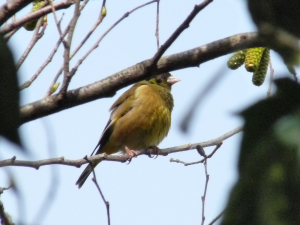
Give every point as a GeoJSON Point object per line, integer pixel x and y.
{"type": "Point", "coordinates": [140, 118]}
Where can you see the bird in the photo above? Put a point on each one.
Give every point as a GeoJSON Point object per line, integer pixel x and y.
{"type": "Point", "coordinates": [140, 118]}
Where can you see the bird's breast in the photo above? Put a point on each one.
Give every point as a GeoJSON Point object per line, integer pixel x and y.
{"type": "Point", "coordinates": [147, 123]}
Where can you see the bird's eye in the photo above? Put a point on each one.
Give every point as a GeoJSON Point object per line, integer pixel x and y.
{"type": "Point", "coordinates": [159, 81]}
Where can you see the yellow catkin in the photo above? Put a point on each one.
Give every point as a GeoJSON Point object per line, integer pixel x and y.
{"type": "Point", "coordinates": [253, 57]}
{"type": "Point", "coordinates": [236, 60]}
{"type": "Point", "coordinates": [259, 75]}
{"type": "Point", "coordinates": [30, 26]}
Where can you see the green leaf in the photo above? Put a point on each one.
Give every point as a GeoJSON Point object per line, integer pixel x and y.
{"type": "Point", "coordinates": [268, 188]}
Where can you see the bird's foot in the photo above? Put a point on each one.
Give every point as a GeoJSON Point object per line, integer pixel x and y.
{"type": "Point", "coordinates": [155, 150]}
{"type": "Point", "coordinates": [131, 153]}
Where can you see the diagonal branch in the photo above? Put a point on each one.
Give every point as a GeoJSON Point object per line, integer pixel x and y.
{"type": "Point", "coordinates": [108, 86]}
{"type": "Point", "coordinates": [35, 38]}
{"type": "Point", "coordinates": [36, 15]}
{"type": "Point", "coordinates": [185, 24]}
{"type": "Point", "coordinates": [50, 57]}
{"type": "Point", "coordinates": [10, 8]}
{"type": "Point", "coordinates": [67, 45]}
{"type": "Point", "coordinates": [73, 71]}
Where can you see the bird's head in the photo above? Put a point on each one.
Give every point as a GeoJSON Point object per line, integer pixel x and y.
{"type": "Point", "coordinates": [165, 80]}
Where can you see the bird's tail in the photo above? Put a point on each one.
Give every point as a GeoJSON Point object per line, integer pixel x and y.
{"type": "Point", "coordinates": [85, 174]}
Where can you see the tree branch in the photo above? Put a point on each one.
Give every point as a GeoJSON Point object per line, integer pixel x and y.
{"type": "Point", "coordinates": [35, 38]}
{"type": "Point", "coordinates": [67, 73]}
{"type": "Point", "coordinates": [10, 8]}
{"type": "Point", "coordinates": [35, 15]}
{"type": "Point", "coordinates": [94, 46]}
{"type": "Point", "coordinates": [185, 24]}
{"type": "Point", "coordinates": [108, 86]}
{"type": "Point", "coordinates": [117, 158]}
{"type": "Point", "coordinates": [50, 57]}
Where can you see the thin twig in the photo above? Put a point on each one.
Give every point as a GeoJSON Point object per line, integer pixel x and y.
{"type": "Point", "coordinates": [67, 45]}
{"type": "Point", "coordinates": [2, 189]}
{"type": "Point", "coordinates": [218, 145]}
{"type": "Point", "coordinates": [271, 78]}
{"type": "Point", "coordinates": [68, 75]}
{"type": "Point", "coordinates": [100, 19]}
{"type": "Point", "coordinates": [116, 158]}
{"type": "Point", "coordinates": [73, 71]}
{"type": "Point", "coordinates": [10, 34]}
{"type": "Point", "coordinates": [36, 15]}
{"type": "Point", "coordinates": [205, 191]}
{"type": "Point", "coordinates": [55, 19]}
{"type": "Point", "coordinates": [157, 24]}
{"type": "Point", "coordinates": [50, 57]}
{"type": "Point", "coordinates": [10, 8]}
{"type": "Point", "coordinates": [106, 203]}
{"type": "Point", "coordinates": [35, 38]}
{"type": "Point", "coordinates": [185, 24]}
{"type": "Point", "coordinates": [217, 217]}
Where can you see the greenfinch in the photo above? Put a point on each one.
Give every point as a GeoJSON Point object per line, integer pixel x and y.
{"type": "Point", "coordinates": [140, 118]}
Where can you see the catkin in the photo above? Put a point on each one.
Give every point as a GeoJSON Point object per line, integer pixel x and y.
{"type": "Point", "coordinates": [252, 59]}
{"type": "Point", "coordinates": [259, 75]}
{"type": "Point", "coordinates": [236, 60]}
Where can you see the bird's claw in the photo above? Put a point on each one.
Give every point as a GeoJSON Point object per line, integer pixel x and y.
{"type": "Point", "coordinates": [156, 151]}
{"type": "Point", "coordinates": [130, 153]}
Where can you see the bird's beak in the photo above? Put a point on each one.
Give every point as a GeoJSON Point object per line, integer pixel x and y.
{"type": "Point", "coordinates": [172, 80]}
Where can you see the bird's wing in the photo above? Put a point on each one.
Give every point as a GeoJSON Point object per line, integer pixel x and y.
{"type": "Point", "coordinates": [127, 94]}
{"type": "Point", "coordinates": [119, 109]}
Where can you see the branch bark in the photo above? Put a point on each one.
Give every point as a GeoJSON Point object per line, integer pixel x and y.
{"type": "Point", "coordinates": [116, 158]}
{"type": "Point", "coordinates": [35, 15]}
{"type": "Point", "coordinates": [108, 86]}
{"type": "Point", "coordinates": [10, 8]}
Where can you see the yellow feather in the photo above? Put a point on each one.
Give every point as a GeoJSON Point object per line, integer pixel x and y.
{"type": "Point", "coordinates": [140, 118]}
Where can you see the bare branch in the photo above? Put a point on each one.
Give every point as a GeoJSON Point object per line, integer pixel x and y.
{"type": "Point", "coordinates": [50, 57]}
{"type": "Point", "coordinates": [108, 86]}
{"type": "Point", "coordinates": [177, 32]}
{"type": "Point", "coordinates": [10, 8]}
{"type": "Point", "coordinates": [216, 218]}
{"type": "Point", "coordinates": [10, 34]}
{"type": "Point", "coordinates": [157, 24]}
{"type": "Point", "coordinates": [35, 38]}
{"type": "Point", "coordinates": [2, 189]}
{"type": "Point", "coordinates": [218, 145]}
{"type": "Point", "coordinates": [67, 44]}
{"type": "Point", "coordinates": [36, 15]}
{"type": "Point", "coordinates": [55, 19]}
{"type": "Point", "coordinates": [100, 19]}
{"type": "Point", "coordinates": [205, 191]}
{"type": "Point", "coordinates": [94, 46]}
{"type": "Point", "coordinates": [68, 75]}
{"type": "Point", "coordinates": [71, 74]}
{"type": "Point", "coordinates": [106, 203]}
{"type": "Point", "coordinates": [116, 158]}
